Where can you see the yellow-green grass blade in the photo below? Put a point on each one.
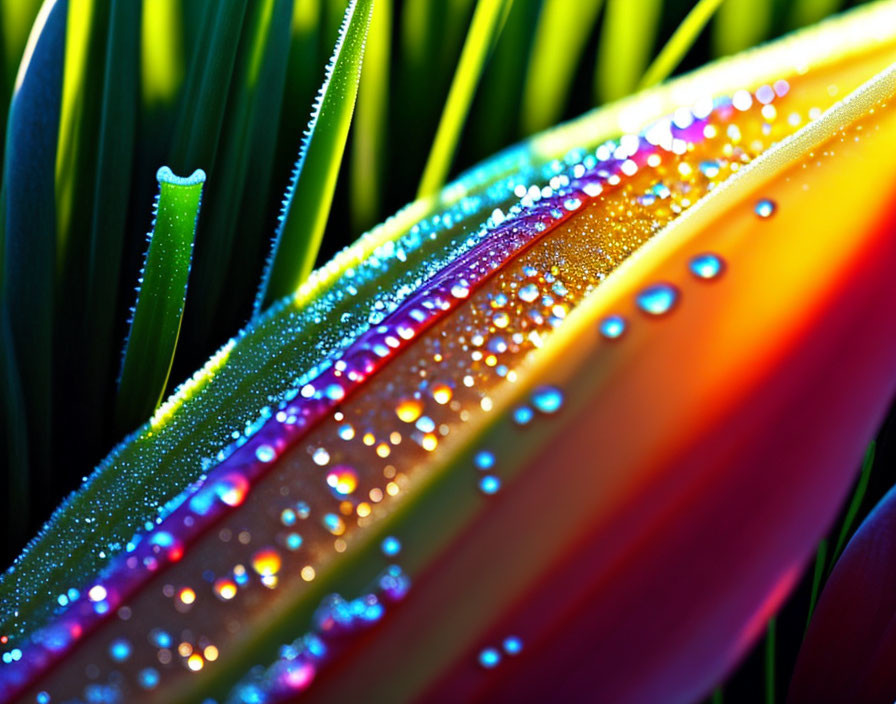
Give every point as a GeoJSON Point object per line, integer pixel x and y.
{"type": "Point", "coordinates": [740, 24]}
{"type": "Point", "coordinates": [30, 233]}
{"type": "Point", "coordinates": [155, 324]}
{"type": "Point", "coordinates": [369, 135]}
{"type": "Point", "coordinates": [110, 198]}
{"type": "Point", "coordinates": [253, 100]}
{"type": "Point", "coordinates": [16, 18]}
{"type": "Point", "coordinates": [621, 55]}
{"type": "Point", "coordinates": [484, 30]}
{"type": "Point", "coordinates": [308, 199]}
{"type": "Point", "coordinates": [805, 12]}
{"type": "Point", "coordinates": [161, 47]}
{"type": "Point", "coordinates": [561, 34]}
{"type": "Point", "coordinates": [679, 43]}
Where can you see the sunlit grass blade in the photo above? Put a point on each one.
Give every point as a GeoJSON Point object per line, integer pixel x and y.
{"type": "Point", "coordinates": [561, 33]}
{"type": "Point", "coordinates": [855, 503]}
{"type": "Point", "coordinates": [621, 61]}
{"type": "Point", "coordinates": [30, 231]}
{"type": "Point", "coordinates": [16, 18]}
{"type": "Point", "coordinates": [161, 47]}
{"type": "Point", "coordinates": [155, 324]}
{"type": "Point", "coordinates": [679, 43]}
{"type": "Point", "coordinates": [369, 134]}
{"type": "Point", "coordinates": [207, 85]}
{"type": "Point", "coordinates": [264, 49]}
{"type": "Point", "coordinates": [488, 17]}
{"type": "Point", "coordinates": [308, 199]}
{"type": "Point", "coordinates": [111, 193]}
{"type": "Point", "coordinates": [804, 12]}
{"type": "Point", "coordinates": [740, 24]}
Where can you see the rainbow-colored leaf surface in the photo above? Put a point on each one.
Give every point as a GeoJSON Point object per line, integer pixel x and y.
{"type": "Point", "coordinates": [636, 350]}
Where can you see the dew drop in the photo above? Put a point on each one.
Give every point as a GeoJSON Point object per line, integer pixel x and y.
{"type": "Point", "coordinates": [512, 645]}
{"type": "Point", "coordinates": [489, 485]}
{"type": "Point", "coordinates": [390, 546]}
{"type": "Point", "coordinates": [484, 460]}
{"type": "Point", "coordinates": [442, 393]}
{"type": "Point", "coordinates": [657, 299]}
{"type": "Point", "coordinates": [119, 650]}
{"type": "Point", "coordinates": [528, 293]}
{"type": "Point", "coordinates": [409, 409]}
{"type": "Point", "coordinates": [225, 589]}
{"type": "Point", "coordinates": [266, 562]}
{"type": "Point", "coordinates": [706, 266]}
{"type": "Point", "coordinates": [343, 480]}
{"type": "Point", "coordinates": [522, 415]}
{"type": "Point", "coordinates": [489, 658]}
{"type": "Point", "coordinates": [547, 399]}
{"type": "Point", "coordinates": [612, 326]}
{"type": "Point", "coordinates": [265, 453]}
{"type": "Point", "coordinates": [765, 208]}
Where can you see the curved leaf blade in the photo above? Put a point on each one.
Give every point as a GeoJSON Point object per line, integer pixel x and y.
{"type": "Point", "coordinates": [306, 205]}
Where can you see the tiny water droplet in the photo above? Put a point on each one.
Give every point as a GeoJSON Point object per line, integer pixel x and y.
{"type": "Point", "coordinates": [706, 266]}
{"type": "Point", "coordinates": [765, 208]}
{"type": "Point", "coordinates": [612, 326]}
{"type": "Point", "coordinates": [489, 484]}
{"type": "Point", "coordinates": [547, 399]}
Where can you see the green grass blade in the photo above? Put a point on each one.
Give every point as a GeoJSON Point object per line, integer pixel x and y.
{"type": "Point", "coordinates": [817, 575]}
{"type": "Point", "coordinates": [30, 233]}
{"type": "Point", "coordinates": [552, 67]}
{"type": "Point", "coordinates": [484, 30]}
{"type": "Point", "coordinates": [206, 89]}
{"type": "Point", "coordinates": [368, 137]}
{"type": "Point", "coordinates": [740, 24]}
{"type": "Point", "coordinates": [111, 191]}
{"type": "Point", "coordinates": [771, 638]}
{"type": "Point", "coordinates": [620, 59]}
{"type": "Point", "coordinates": [310, 194]}
{"type": "Point", "coordinates": [679, 43]}
{"type": "Point", "coordinates": [855, 503]}
{"type": "Point", "coordinates": [805, 12]}
{"type": "Point", "coordinates": [264, 48]}
{"type": "Point", "coordinates": [16, 18]}
{"type": "Point", "coordinates": [155, 325]}
{"type": "Point", "coordinates": [161, 47]}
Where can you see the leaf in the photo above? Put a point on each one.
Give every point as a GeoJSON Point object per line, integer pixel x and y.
{"type": "Point", "coordinates": [679, 43]}
{"type": "Point", "coordinates": [484, 29]}
{"type": "Point", "coordinates": [550, 72]}
{"type": "Point", "coordinates": [620, 61]}
{"type": "Point", "coordinates": [679, 446]}
{"type": "Point", "coordinates": [155, 325]}
{"type": "Point", "coordinates": [30, 230]}
{"type": "Point", "coordinates": [306, 205]}
{"type": "Point", "coordinates": [848, 651]}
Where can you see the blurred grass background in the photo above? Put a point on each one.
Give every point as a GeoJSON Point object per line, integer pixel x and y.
{"type": "Point", "coordinates": [227, 86]}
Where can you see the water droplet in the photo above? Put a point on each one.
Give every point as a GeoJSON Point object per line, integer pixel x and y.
{"type": "Point", "coordinates": [148, 678]}
{"type": "Point", "coordinates": [119, 650]}
{"type": "Point", "coordinates": [342, 480]}
{"type": "Point", "coordinates": [225, 589]}
{"type": "Point", "coordinates": [522, 415]}
{"type": "Point", "coordinates": [612, 326]}
{"type": "Point", "coordinates": [266, 562]}
{"type": "Point", "coordinates": [390, 546]}
{"type": "Point", "coordinates": [232, 489]}
{"type": "Point", "coordinates": [409, 409]}
{"type": "Point", "coordinates": [265, 453]}
{"type": "Point", "coordinates": [320, 457]}
{"type": "Point", "coordinates": [334, 524]}
{"type": "Point", "coordinates": [442, 393]}
{"type": "Point", "coordinates": [765, 208]}
{"type": "Point", "coordinates": [484, 460]}
{"type": "Point", "coordinates": [657, 299]}
{"type": "Point", "coordinates": [512, 645]}
{"type": "Point", "coordinates": [706, 266]}
{"type": "Point", "coordinates": [547, 399]}
{"type": "Point", "coordinates": [528, 293]}
{"type": "Point", "coordinates": [489, 658]}
{"type": "Point", "coordinates": [501, 319]}
{"type": "Point", "coordinates": [489, 484]}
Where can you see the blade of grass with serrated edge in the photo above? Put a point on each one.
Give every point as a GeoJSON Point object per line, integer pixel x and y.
{"type": "Point", "coordinates": [854, 503]}
{"type": "Point", "coordinates": [368, 137]}
{"type": "Point", "coordinates": [155, 324]}
{"type": "Point", "coordinates": [484, 30]}
{"type": "Point", "coordinates": [550, 73]}
{"type": "Point", "coordinates": [30, 232]}
{"type": "Point", "coordinates": [195, 141]}
{"type": "Point", "coordinates": [740, 24]}
{"type": "Point", "coordinates": [679, 43]}
{"type": "Point", "coordinates": [264, 47]}
{"type": "Point", "coordinates": [620, 60]}
{"type": "Point", "coordinates": [111, 190]}
{"type": "Point", "coordinates": [306, 206]}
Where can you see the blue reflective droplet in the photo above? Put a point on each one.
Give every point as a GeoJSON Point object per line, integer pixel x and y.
{"type": "Point", "coordinates": [657, 299]}
{"type": "Point", "coordinates": [119, 650]}
{"type": "Point", "coordinates": [265, 453]}
{"type": "Point", "coordinates": [484, 460]}
{"type": "Point", "coordinates": [765, 208]}
{"type": "Point", "coordinates": [706, 266]}
{"type": "Point", "coordinates": [489, 657]}
{"type": "Point", "coordinates": [522, 415]}
{"type": "Point", "coordinates": [391, 546]}
{"type": "Point", "coordinates": [489, 484]}
{"type": "Point", "coordinates": [148, 678]}
{"type": "Point", "coordinates": [547, 399]}
{"type": "Point", "coordinates": [512, 645]}
{"type": "Point", "coordinates": [612, 326]}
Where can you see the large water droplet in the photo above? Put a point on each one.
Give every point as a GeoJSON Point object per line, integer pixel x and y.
{"type": "Point", "coordinates": [706, 266]}
{"type": "Point", "coordinates": [547, 399]}
{"type": "Point", "coordinates": [657, 299]}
